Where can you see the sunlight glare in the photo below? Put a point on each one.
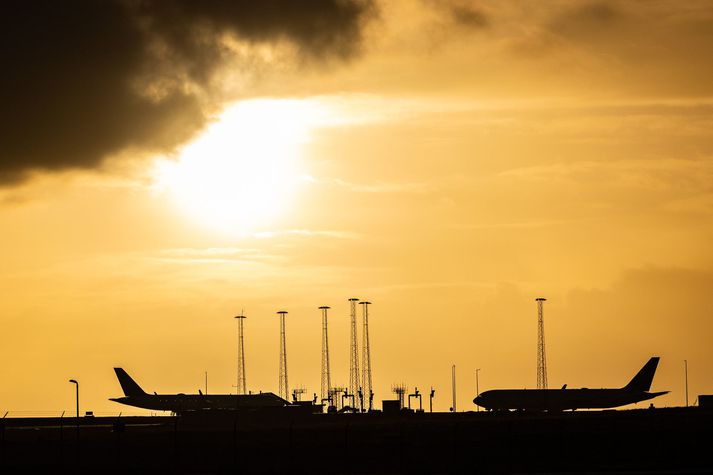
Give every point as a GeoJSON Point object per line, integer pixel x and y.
{"type": "Point", "coordinates": [244, 170]}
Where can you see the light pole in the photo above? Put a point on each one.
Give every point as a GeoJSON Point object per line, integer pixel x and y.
{"type": "Point", "coordinates": [75, 382]}
{"type": "Point", "coordinates": [477, 389]}
{"type": "Point", "coordinates": [453, 388]}
{"type": "Point", "coordinates": [685, 369]}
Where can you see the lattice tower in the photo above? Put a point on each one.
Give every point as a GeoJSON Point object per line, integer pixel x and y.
{"type": "Point", "coordinates": [326, 379]}
{"type": "Point", "coordinates": [541, 357]}
{"type": "Point", "coordinates": [354, 383]}
{"type": "Point", "coordinates": [366, 357]}
{"type": "Point", "coordinates": [283, 387]}
{"type": "Point", "coordinates": [242, 388]}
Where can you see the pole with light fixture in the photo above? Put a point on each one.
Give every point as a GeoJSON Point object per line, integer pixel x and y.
{"type": "Point", "coordinates": [76, 383]}
{"type": "Point", "coordinates": [477, 388]}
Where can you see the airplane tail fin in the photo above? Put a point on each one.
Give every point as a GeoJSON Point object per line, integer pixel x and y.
{"type": "Point", "coordinates": [128, 385]}
{"type": "Point", "coordinates": [642, 380]}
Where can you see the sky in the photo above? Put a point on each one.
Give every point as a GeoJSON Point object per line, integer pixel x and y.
{"type": "Point", "coordinates": [165, 166]}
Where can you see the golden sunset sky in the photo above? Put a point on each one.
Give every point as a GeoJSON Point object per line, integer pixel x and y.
{"type": "Point", "coordinates": [164, 166]}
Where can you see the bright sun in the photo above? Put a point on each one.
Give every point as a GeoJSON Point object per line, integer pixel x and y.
{"type": "Point", "coordinates": [242, 172]}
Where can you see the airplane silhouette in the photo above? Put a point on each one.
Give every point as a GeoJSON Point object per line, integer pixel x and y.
{"type": "Point", "coordinates": [562, 399]}
{"type": "Point", "coordinates": [137, 397]}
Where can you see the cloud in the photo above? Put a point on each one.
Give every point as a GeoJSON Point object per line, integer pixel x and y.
{"type": "Point", "coordinates": [308, 233]}
{"type": "Point", "coordinates": [558, 48]}
{"type": "Point", "coordinates": [517, 224]}
{"type": "Point", "coordinates": [657, 308]}
{"type": "Point", "coordinates": [213, 254]}
{"type": "Point", "coordinates": [461, 13]}
{"type": "Point", "coordinates": [587, 18]}
{"type": "Point", "coordinates": [383, 187]}
{"type": "Point", "coordinates": [652, 47]}
{"type": "Point", "coordinates": [468, 17]}
{"type": "Point", "coordinates": [84, 80]}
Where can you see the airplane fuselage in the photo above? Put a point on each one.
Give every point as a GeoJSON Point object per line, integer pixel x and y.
{"type": "Point", "coordinates": [560, 399]}
{"type": "Point", "coordinates": [193, 402]}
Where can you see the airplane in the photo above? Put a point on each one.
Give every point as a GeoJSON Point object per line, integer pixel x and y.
{"type": "Point", "coordinates": [137, 397]}
{"type": "Point", "coordinates": [562, 399]}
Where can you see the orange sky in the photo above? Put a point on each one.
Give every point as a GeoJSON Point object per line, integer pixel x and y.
{"type": "Point", "coordinates": [468, 158]}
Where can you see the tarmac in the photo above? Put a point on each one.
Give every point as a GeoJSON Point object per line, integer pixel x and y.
{"type": "Point", "coordinates": [668, 440]}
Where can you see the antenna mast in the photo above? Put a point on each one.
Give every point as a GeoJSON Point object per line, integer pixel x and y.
{"type": "Point", "coordinates": [541, 358]}
{"type": "Point", "coordinates": [354, 353]}
{"type": "Point", "coordinates": [326, 382]}
{"type": "Point", "coordinates": [366, 357]}
{"type": "Point", "coordinates": [284, 391]}
{"type": "Point", "coordinates": [241, 356]}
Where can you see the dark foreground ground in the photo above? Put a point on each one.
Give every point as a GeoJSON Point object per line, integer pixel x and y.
{"type": "Point", "coordinates": [676, 440]}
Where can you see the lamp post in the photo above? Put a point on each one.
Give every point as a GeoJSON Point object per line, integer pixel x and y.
{"type": "Point", "coordinates": [685, 370]}
{"type": "Point", "coordinates": [453, 388]}
{"type": "Point", "coordinates": [477, 389]}
{"type": "Point", "coordinates": [76, 383]}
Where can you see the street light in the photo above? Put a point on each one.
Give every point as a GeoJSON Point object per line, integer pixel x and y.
{"type": "Point", "coordinates": [477, 389]}
{"type": "Point", "coordinates": [453, 389]}
{"type": "Point", "coordinates": [685, 369]}
{"type": "Point", "coordinates": [74, 381]}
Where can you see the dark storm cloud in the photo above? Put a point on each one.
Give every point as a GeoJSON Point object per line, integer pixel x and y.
{"type": "Point", "coordinates": [85, 79]}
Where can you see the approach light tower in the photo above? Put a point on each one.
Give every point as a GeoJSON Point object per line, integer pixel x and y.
{"type": "Point", "coordinates": [541, 358]}
{"type": "Point", "coordinates": [326, 380]}
{"type": "Point", "coordinates": [354, 352]}
{"type": "Point", "coordinates": [283, 388]}
{"type": "Point", "coordinates": [241, 356]}
{"type": "Point", "coordinates": [366, 358]}
{"type": "Point", "coordinates": [400, 391]}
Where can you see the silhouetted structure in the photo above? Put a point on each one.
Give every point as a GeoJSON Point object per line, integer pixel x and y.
{"type": "Point", "coordinates": [366, 358]}
{"type": "Point", "coordinates": [354, 384]}
{"type": "Point", "coordinates": [453, 383]}
{"type": "Point", "coordinates": [283, 388]}
{"type": "Point", "coordinates": [562, 399]}
{"type": "Point", "coordinates": [477, 387]}
{"type": "Point", "coordinates": [326, 379]}
{"type": "Point", "coordinates": [685, 371]}
{"type": "Point", "coordinates": [336, 394]}
{"type": "Point", "coordinates": [76, 384]}
{"type": "Point", "coordinates": [288, 440]}
{"type": "Point", "coordinates": [400, 391]}
{"type": "Point", "coordinates": [417, 395]}
{"type": "Point", "coordinates": [297, 394]}
{"type": "Point", "coordinates": [241, 386]}
{"type": "Point", "coordinates": [541, 358]}
{"type": "Point", "coordinates": [178, 403]}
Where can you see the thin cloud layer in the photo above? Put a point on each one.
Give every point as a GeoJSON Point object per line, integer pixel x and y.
{"type": "Point", "coordinates": [460, 13]}
{"type": "Point", "coordinates": [84, 80]}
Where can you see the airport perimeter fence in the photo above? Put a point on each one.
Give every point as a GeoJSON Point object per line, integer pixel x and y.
{"type": "Point", "coordinates": [71, 413]}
